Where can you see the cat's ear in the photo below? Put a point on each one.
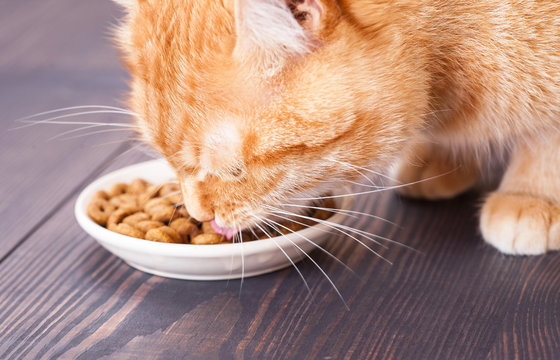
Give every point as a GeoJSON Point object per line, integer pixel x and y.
{"type": "Point", "coordinates": [271, 31]}
{"type": "Point", "coordinates": [314, 15]}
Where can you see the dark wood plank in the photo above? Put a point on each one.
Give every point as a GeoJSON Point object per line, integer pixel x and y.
{"type": "Point", "coordinates": [532, 331]}
{"type": "Point", "coordinates": [52, 54]}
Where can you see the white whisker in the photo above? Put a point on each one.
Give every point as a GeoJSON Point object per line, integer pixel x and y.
{"type": "Point", "coordinates": [358, 184]}
{"type": "Point", "coordinates": [146, 150]}
{"type": "Point", "coordinates": [230, 264]}
{"type": "Point", "coordinates": [357, 171]}
{"type": "Point", "coordinates": [339, 227]}
{"type": "Point", "coordinates": [284, 252]}
{"type": "Point", "coordinates": [172, 215]}
{"type": "Point", "coordinates": [342, 211]}
{"type": "Point", "coordinates": [75, 108]}
{"type": "Point", "coordinates": [73, 131]}
{"type": "Point", "coordinates": [114, 142]}
{"type": "Point", "coordinates": [171, 194]}
{"type": "Point", "coordinates": [310, 241]}
{"type": "Point", "coordinates": [365, 234]}
{"type": "Point", "coordinates": [323, 272]}
{"type": "Point", "coordinates": [363, 168]}
{"type": "Point", "coordinates": [377, 190]}
{"type": "Point", "coordinates": [253, 232]}
{"type": "Point", "coordinates": [242, 256]}
{"type": "Point", "coordinates": [132, 148]}
{"type": "Point", "coordinates": [86, 134]}
{"type": "Point", "coordinates": [331, 225]}
{"type": "Point", "coordinates": [51, 120]}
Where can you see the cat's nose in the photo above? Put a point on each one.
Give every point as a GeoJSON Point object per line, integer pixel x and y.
{"type": "Point", "coordinates": [197, 205]}
{"type": "Point", "coordinates": [200, 213]}
{"type": "Point", "coordinates": [198, 208]}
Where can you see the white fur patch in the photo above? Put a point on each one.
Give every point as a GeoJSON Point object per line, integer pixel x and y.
{"type": "Point", "coordinates": [221, 148]}
{"type": "Point", "coordinates": [268, 31]}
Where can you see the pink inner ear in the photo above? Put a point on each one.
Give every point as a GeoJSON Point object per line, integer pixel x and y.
{"type": "Point", "coordinates": [311, 7]}
{"type": "Point", "coordinates": [268, 34]}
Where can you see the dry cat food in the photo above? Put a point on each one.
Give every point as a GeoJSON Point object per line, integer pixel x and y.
{"type": "Point", "coordinates": [155, 212]}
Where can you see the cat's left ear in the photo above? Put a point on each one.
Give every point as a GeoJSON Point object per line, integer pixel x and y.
{"type": "Point", "coordinates": [271, 31]}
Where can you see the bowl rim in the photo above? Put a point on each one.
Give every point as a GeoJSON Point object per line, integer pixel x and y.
{"type": "Point", "coordinates": [110, 238]}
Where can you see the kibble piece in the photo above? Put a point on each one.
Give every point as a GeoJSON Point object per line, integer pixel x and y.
{"type": "Point", "coordinates": [99, 210]}
{"type": "Point", "coordinates": [169, 189]}
{"type": "Point", "coordinates": [163, 213]}
{"type": "Point", "coordinates": [207, 228]}
{"type": "Point", "coordinates": [126, 229]}
{"type": "Point", "coordinates": [173, 234]}
{"type": "Point", "coordinates": [182, 212]}
{"type": "Point", "coordinates": [118, 215]}
{"type": "Point", "coordinates": [124, 199]}
{"type": "Point", "coordinates": [101, 194]}
{"type": "Point", "coordinates": [136, 218]}
{"type": "Point", "coordinates": [158, 235]}
{"type": "Point", "coordinates": [206, 239]}
{"type": "Point", "coordinates": [148, 225]}
{"type": "Point", "coordinates": [138, 186]}
{"type": "Point", "coordinates": [118, 189]}
{"type": "Point", "coordinates": [156, 202]}
{"type": "Point", "coordinates": [175, 198]}
{"type": "Point", "coordinates": [162, 235]}
{"type": "Point", "coordinates": [186, 229]}
{"type": "Point", "coordinates": [150, 193]}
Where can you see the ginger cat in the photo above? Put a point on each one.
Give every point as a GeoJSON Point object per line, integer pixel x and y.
{"type": "Point", "coordinates": [255, 102]}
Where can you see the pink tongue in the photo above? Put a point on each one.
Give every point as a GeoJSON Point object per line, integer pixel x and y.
{"type": "Point", "coordinates": [227, 232]}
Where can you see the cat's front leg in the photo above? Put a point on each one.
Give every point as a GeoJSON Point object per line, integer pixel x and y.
{"type": "Point", "coordinates": [428, 171]}
{"type": "Point", "coordinates": [523, 215]}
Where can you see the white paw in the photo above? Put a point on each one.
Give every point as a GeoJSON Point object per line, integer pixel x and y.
{"type": "Point", "coordinates": [520, 224]}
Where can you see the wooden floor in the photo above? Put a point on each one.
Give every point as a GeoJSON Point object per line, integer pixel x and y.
{"type": "Point", "coordinates": [62, 296]}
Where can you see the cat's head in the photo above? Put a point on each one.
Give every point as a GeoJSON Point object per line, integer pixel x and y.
{"type": "Point", "coordinates": [254, 102]}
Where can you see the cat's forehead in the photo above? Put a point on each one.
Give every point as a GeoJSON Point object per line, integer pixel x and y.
{"type": "Point", "coordinates": [203, 35]}
{"type": "Point", "coordinates": [176, 36]}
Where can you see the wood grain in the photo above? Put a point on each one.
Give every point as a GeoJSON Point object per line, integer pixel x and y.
{"type": "Point", "coordinates": [62, 296]}
{"type": "Point", "coordinates": [45, 64]}
{"type": "Point", "coordinates": [68, 298]}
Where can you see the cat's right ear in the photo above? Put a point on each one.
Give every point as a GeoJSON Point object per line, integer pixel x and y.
{"type": "Point", "coordinates": [271, 31]}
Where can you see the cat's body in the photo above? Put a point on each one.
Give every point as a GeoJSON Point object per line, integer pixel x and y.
{"type": "Point", "coordinates": [254, 102]}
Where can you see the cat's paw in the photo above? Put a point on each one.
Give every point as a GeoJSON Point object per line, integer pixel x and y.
{"type": "Point", "coordinates": [433, 178]}
{"type": "Point", "coordinates": [520, 224]}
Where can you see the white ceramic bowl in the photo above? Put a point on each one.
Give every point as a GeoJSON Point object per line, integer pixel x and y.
{"type": "Point", "coordinates": [197, 262]}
